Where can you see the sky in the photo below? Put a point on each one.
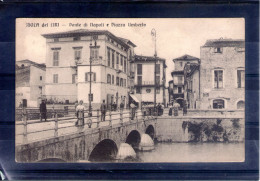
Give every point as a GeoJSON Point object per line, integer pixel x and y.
{"type": "Point", "coordinates": [174, 36]}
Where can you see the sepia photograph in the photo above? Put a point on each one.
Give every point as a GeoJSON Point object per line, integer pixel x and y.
{"type": "Point", "coordinates": [124, 90]}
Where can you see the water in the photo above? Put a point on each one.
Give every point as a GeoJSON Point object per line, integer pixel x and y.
{"type": "Point", "coordinates": [194, 152]}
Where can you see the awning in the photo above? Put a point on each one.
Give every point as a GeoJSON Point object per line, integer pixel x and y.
{"type": "Point", "coordinates": [134, 97]}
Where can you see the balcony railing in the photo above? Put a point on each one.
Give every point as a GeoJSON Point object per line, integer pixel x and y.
{"type": "Point", "coordinates": [147, 83]}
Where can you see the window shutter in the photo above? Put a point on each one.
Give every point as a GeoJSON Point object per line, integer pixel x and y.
{"type": "Point", "coordinates": [86, 77]}
{"type": "Point", "coordinates": [94, 77]}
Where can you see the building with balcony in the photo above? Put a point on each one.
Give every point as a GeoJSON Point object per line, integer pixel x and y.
{"type": "Point", "coordinates": [29, 83]}
{"type": "Point", "coordinates": [144, 79]}
{"type": "Point", "coordinates": [178, 76]}
{"type": "Point", "coordinates": [222, 74]}
{"type": "Point", "coordinates": [71, 54]}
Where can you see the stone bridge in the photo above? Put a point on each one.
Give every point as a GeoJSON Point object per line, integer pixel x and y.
{"type": "Point", "coordinates": [95, 144]}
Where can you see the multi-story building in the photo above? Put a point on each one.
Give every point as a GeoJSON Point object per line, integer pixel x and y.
{"type": "Point", "coordinates": [30, 78]}
{"type": "Point", "coordinates": [192, 85]}
{"type": "Point", "coordinates": [68, 67]}
{"type": "Point", "coordinates": [178, 76]}
{"type": "Point", "coordinates": [221, 76]}
{"type": "Point", "coordinates": [144, 79]}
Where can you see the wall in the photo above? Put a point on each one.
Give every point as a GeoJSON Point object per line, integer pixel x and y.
{"type": "Point", "coordinates": [200, 129]}
{"type": "Point", "coordinates": [230, 60]}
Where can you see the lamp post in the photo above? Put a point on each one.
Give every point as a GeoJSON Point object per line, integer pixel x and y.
{"type": "Point", "coordinates": [90, 96]}
{"type": "Point", "coordinates": [153, 33]}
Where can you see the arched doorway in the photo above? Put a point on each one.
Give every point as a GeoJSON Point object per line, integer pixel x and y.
{"type": "Point", "coordinates": [134, 139]}
{"type": "Point", "coordinates": [150, 131]}
{"type": "Point", "coordinates": [105, 150]}
{"type": "Point", "coordinates": [240, 105]}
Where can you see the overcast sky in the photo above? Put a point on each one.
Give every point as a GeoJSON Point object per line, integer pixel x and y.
{"type": "Point", "coordinates": [175, 37]}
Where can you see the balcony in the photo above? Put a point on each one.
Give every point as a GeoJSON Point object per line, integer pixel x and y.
{"type": "Point", "coordinates": [95, 61]}
{"type": "Point", "coordinates": [149, 83]}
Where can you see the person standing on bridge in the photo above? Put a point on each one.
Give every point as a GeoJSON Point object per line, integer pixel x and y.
{"type": "Point", "coordinates": [80, 114]}
{"type": "Point", "coordinates": [175, 108]}
{"type": "Point", "coordinates": [43, 111]}
{"type": "Point", "coordinates": [103, 109]}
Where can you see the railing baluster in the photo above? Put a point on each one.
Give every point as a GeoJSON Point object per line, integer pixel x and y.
{"type": "Point", "coordinates": [110, 118]}
{"type": "Point", "coordinates": [24, 117]}
{"type": "Point", "coordinates": [56, 125]}
{"type": "Point", "coordinates": [98, 118]}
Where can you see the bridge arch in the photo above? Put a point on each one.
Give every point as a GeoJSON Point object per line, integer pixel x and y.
{"type": "Point", "coordinates": [133, 139]}
{"type": "Point", "coordinates": [150, 131]}
{"type": "Point", "coordinates": [105, 150]}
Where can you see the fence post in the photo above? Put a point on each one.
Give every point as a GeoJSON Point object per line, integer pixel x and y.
{"type": "Point", "coordinates": [98, 118]}
{"type": "Point", "coordinates": [56, 125]}
{"type": "Point", "coordinates": [121, 116]}
{"type": "Point", "coordinates": [24, 117]}
{"type": "Point", "coordinates": [110, 118]}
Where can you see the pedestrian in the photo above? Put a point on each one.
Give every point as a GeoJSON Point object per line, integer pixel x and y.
{"type": "Point", "coordinates": [43, 111]}
{"type": "Point", "coordinates": [170, 110]}
{"type": "Point", "coordinates": [184, 108]}
{"type": "Point", "coordinates": [80, 114]}
{"type": "Point", "coordinates": [132, 105]}
{"type": "Point", "coordinates": [175, 108]}
{"type": "Point", "coordinates": [76, 104]}
{"type": "Point", "coordinates": [122, 106]}
{"type": "Point", "coordinates": [103, 109]}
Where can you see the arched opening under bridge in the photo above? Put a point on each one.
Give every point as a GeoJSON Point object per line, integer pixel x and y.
{"type": "Point", "coordinates": [150, 131]}
{"type": "Point", "coordinates": [134, 139]}
{"type": "Point", "coordinates": [105, 150]}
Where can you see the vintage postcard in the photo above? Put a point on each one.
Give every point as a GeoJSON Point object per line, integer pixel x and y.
{"type": "Point", "coordinates": [130, 90]}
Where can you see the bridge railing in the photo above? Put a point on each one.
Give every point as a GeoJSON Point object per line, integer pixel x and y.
{"type": "Point", "coordinates": [57, 126]}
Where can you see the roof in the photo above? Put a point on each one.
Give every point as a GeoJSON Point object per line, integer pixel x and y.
{"type": "Point", "coordinates": [190, 68]}
{"type": "Point", "coordinates": [127, 41]}
{"type": "Point", "coordinates": [177, 72]}
{"type": "Point", "coordinates": [149, 59]}
{"type": "Point", "coordinates": [41, 66]}
{"type": "Point", "coordinates": [186, 57]}
{"type": "Point", "coordinates": [225, 43]}
{"type": "Point", "coordinates": [85, 32]}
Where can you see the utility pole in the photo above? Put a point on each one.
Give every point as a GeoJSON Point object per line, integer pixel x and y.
{"type": "Point", "coordinates": [153, 33]}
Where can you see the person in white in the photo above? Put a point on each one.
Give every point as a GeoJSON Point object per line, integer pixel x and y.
{"type": "Point", "coordinates": [80, 114]}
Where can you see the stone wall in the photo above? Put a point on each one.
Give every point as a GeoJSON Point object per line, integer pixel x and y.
{"type": "Point", "coordinates": [201, 129]}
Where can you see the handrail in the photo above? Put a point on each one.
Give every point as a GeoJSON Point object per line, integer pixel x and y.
{"type": "Point", "coordinates": [120, 116]}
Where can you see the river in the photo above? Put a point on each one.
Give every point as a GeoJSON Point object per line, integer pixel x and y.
{"type": "Point", "coordinates": [194, 152]}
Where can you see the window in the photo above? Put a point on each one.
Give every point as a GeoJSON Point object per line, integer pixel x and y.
{"type": "Point", "coordinates": [139, 69]}
{"type": "Point", "coordinates": [88, 75]}
{"type": "Point", "coordinates": [40, 77]}
{"type": "Point", "coordinates": [121, 62]}
{"type": "Point", "coordinates": [125, 65]}
{"type": "Point", "coordinates": [241, 105]}
{"type": "Point", "coordinates": [55, 58]}
{"type": "Point", "coordinates": [74, 76]}
{"type": "Point", "coordinates": [113, 79]}
{"type": "Point", "coordinates": [179, 90]}
{"type": "Point", "coordinates": [218, 104]}
{"type": "Point", "coordinates": [117, 81]}
{"type": "Point", "coordinates": [218, 79]}
{"type": "Point", "coordinates": [148, 90]}
{"type": "Point", "coordinates": [124, 82]}
{"type": "Point", "coordinates": [108, 78]}
{"type": "Point", "coordinates": [240, 78]}
{"type": "Point", "coordinates": [117, 58]}
{"type": "Point", "coordinates": [157, 80]}
{"type": "Point", "coordinates": [138, 90]}
{"type": "Point", "coordinates": [157, 68]}
{"type": "Point", "coordinates": [77, 54]}
{"type": "Point", "coordinates": [76, 38]}
{"type": "Point", "coordinates": [157, 90]}
{"type": "Point", "coordinates": [139, 80]}
{"type": "Point", "coordinates": [218, 50]}
{"type": "Point", "coordinates": [108, 56]}
{"type": "Point", "coordinates": [180, 79]}
{"type": "Point", "coordinates": [94, 53]}
{"type": "Point", "coordinates": [181, 64]}
{"type": "Point", "coordinates": [55, 78]}
{"type": "Point", "coordinates": [121, 82]}
{"type": "Point", "coordinates": [113, 59]}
